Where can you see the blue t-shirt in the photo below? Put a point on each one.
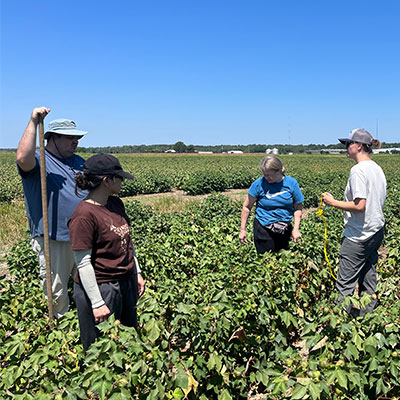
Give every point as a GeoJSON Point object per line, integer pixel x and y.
{"type": "Point", "coordinates": [275, 200]}
{"type": "Point", "coordinates": [61, 198]}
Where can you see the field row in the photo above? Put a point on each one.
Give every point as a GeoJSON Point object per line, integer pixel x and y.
{"type": "Point", "coordinates": [199, 174]}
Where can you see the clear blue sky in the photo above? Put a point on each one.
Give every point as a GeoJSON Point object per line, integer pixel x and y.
{"type": "Point", "coordinates": [203, 72]}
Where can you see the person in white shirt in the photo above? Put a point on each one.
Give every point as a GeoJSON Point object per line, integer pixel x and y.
{"type": "Point", "coordinates": [364, 198]}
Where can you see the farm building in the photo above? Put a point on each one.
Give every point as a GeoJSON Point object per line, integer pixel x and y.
{"type": "Point", "coordinates": [329, 151]}
{"type": "Point", "coordinates": [391, 150]}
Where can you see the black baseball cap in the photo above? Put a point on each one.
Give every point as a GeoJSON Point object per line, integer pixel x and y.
{"type": "Point", "coordinates": [105, 164]}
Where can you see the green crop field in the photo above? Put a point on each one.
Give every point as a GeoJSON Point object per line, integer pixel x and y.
{"type": "Point", "coordinates": [217, 321]}
{"type": "Point", "coordinates": [199, 174]}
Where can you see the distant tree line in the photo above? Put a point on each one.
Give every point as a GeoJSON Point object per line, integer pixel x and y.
{"type": "Point", "coordinates": [181, 147]}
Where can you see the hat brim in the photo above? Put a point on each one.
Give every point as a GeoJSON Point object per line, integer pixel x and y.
{"type": "Point", "coordinates": [68, 132]}
{"type": "Point", "coordinates": [124, 175]}
{"type": "Point", "coordinates": [345, 140]}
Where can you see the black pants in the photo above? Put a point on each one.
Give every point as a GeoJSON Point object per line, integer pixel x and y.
{"type": "Point", "coordinates": [119, 296]}
{"type": "Point", "coordinates": [266, 240]}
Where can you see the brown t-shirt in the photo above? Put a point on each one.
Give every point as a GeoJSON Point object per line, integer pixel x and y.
{"type": "Point", "coordinates": [105, 230]}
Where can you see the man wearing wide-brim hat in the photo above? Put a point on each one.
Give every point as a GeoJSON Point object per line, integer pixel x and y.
{"type": "Point", "coordinates": [61, 166]}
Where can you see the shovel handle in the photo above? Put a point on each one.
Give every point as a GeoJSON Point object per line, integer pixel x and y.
{"type": "Point", "coordinates": [43, 183]}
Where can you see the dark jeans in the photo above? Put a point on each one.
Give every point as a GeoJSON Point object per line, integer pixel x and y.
{"type": "Point", "coordinates": [358, 262]}
{"type": "Point", "coordinates": [119, 296]}
{"type": "Point", "coordinates": [266, 240]}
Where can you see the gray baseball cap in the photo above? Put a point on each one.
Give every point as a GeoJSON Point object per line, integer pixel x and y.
{"type": "Point", "coordinates": [358, 135]}
{"type": "Point", "coordinates": [63, 126]}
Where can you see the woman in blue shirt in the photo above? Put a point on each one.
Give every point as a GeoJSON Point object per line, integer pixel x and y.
{"type": "Point", "coordinates": [278, 200]}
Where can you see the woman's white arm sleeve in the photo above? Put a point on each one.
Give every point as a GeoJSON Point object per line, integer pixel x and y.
{"type": "Point", "coordinates": [87, 276]}
{"type": "Point", "coordinates": [138, 270]}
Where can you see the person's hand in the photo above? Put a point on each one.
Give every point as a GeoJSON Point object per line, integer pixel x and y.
{"type": "Point", "coordinates": [328, 199]}
{"type": "Point", "coordinates": [39, 112]}
{"type": "Point", "coordinates": [296, 235]}
{"type": "Point", "coordinates": [101, 313]}
{"type": "Point", "coordinates": [243, 236]}
{"type": "Point", "coordinates": [141, 284]}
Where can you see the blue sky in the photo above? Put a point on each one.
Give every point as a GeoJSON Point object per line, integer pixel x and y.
{"type": "Point", "coordinates": [203, 72]}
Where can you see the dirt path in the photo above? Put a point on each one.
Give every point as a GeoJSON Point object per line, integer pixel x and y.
{"type": "Point", "coordinates": [234, 194]}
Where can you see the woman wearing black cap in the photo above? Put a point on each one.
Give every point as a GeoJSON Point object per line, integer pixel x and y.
{"type": "Point", "coordinates": [108, 278]}
{"type": "Point", "coordinates": [364, 198]}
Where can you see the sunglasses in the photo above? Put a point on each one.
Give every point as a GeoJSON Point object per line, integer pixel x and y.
{"type": "Point", "coordinates": [348, 144]}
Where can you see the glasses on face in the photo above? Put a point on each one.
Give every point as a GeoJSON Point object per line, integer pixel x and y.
{"type": "Point", "coordinates": [70, 137]}
{"type": "Point", "coordinates": [348, 144]}
{"type": "Point", "coordinates": [119, 177]}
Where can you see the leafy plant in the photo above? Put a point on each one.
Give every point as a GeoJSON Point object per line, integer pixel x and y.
{"type": "Point", "coordinates": [217, 321]}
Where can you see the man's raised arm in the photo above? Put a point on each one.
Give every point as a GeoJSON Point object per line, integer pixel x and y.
{"type": "Point", "coordinates": [27, 145]}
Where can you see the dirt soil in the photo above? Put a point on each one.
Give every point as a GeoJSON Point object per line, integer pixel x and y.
{"type": "Point", "coordinates": [3, 266]}
{"type": "Point", "coordinates": [234, 194]}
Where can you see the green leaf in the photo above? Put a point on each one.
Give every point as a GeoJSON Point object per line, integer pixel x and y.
{"type": "Point", "coordinates": [341, 376]}
{"type": "Point", "coordinates": [218, 363]}
{"type": "Point", "coordinates": [394, 371]}
{"type": "Point", "coordinates": [77, 391]}
{"type": "Point", "coordinates": [287, 318]}
{"type": "Point", "coordinates": [351, 351]}
{"type": "Point", "coordinates": [103, 387]}
{"type": "Point", "coordinates": [124, 394]}
{"type": "Point", "coordinates": [370, 345]}
{"type": "Point", "coordinates": [137, 366]}
{"type": "Point", "coordinates": [315, 390]}
{"type": "Point", "coordinates": [214, 362]}
{"type": "Point", "coordinates": [154, 333]}
{"type": "Point", "coordinates": [160, 388]}
{"type": "Point", "coordinates": [153, 395]}
{"type": "Point", "coordinates": [373, 366]}
{"type": "Point", "coordinates": [299, 392]}
{"type": "Point", "coordinates": [272, 372]}
{"type": "Point", "coordinates": [262, 377]}
{"type": "Point", "coordinates": [357, 340]}
{"type": "Point", "coordinates": [380, 386]}
{"type": "Point", "coordinates": [211, 362]}
{"type": "Point", "coordinates": [365, 300]}
{"type": "Point", "coordinates": [355, 378]}
{"type": "Point", "coordinates": [221, 297]}
{"type": "Point", "coordinates": [182, 379]}
{"type": "Point", "coordinates": [184, 308]}
{"type": "Point", "coordinates": [333, 321]}
{"type": "Point", "coordinates": [224, 395]}
{"type": "Point", "coordinates": [178, 394]}
{"type": "Point", "coordinates": [117, 359]}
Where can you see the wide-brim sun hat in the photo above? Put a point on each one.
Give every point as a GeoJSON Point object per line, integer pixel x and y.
{"type": "Point", "coordinates": [358, 135]}
{"type": "Point", "coordinates": [63, 126]}
{"type": "Point", "coordinates": [105, 164]}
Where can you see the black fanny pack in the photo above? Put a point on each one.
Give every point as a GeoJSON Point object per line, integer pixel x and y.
{"type": "Point", "coordinates": [278, 227]}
